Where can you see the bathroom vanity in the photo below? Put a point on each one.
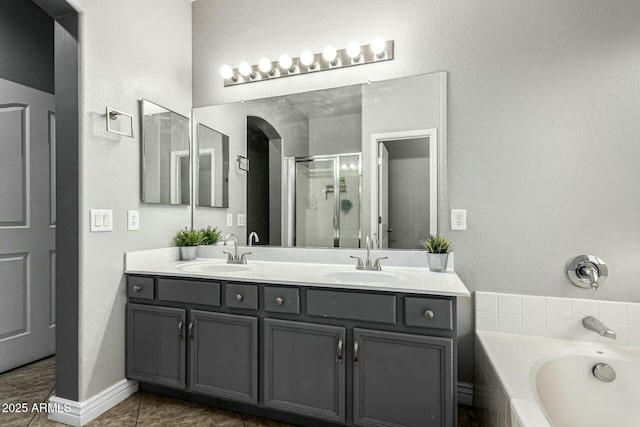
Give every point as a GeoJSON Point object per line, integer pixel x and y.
{"type": "Point", "coordinates": [309, 344]}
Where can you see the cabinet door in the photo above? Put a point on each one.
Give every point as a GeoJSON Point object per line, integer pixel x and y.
{"type": "Point", "coordinates": [402, 380]}
{"type": "Point", "coordinates": [224, 355]}
{"type": "Point", "coordinates": [304, 369]}
{"type": "Point", "coordinates": [155, 345]}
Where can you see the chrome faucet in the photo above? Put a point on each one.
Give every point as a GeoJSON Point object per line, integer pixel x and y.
{"type": "Point", "coordinates": [598, 327]}
{"type": "Point", "coordinates": [367, 265]}
{"type": "Point", "coordinates": [234, 258]}
{"type": "Point", "coordinates": [252, 236]}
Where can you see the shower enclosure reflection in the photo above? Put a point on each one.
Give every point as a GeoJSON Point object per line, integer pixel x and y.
{"type": "Point", "coordinates": [327, 197]}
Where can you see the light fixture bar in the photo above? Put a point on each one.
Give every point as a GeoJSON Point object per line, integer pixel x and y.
{"type": "Point", "coordinates": [343, 60]}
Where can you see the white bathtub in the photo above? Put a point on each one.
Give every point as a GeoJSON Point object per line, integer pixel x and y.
{"type": "Point", "coordinates": [541, 382]}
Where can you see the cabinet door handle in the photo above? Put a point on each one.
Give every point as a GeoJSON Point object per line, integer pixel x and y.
{"type": "Point", "coordinates": [137, 288]}
{"type": "Point", "coordinates": [180, 334]}
{"type": "Point", "coordinates": [279, 301]}
{"type": "Point", "coordinates": [239, 297]}
{"type": "Point", "coordinates": [191, 329]}
{"type": "Point", "coordinates": [339, 355]}
{"type": "Point", "coordinates": [356, 357]}
{"type": "Point", "coordinates": [428, 314]}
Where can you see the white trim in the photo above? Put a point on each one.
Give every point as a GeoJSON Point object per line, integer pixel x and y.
{"type": "Point", "coordinates": [80, 413]}
{"type": "Point", "coordinates": [465, 394]}
{"type": "Point", "coordinates": [176, 173]}
{"type": "Point", "coordinates": [434, 166]}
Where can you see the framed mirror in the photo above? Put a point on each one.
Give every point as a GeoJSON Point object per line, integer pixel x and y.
{"type": "Point", "coordinates": [330, 168]}
{"type": "Point", "coordinates": [166, 156]}
{"type": "Point", "coordinates": [212, 168]}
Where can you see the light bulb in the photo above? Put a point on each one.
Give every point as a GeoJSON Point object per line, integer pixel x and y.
{"type": "Point", "coordinates": [378, 45]}
{"type": "Point", "coordinates": [307, 58]}
{"type": "Point", "coordinates": [352, 166]}
{"type": "Point", "coordinates": [245, 68]}
{"type": "Point", "coordinates": [285, 61]}
{"type": "Point", "coordinates": [329, 54]}
{"type": "Point", "coordinates": [264, 65]}
{"type": "Point", "coordinates": [354, 49]}
{"type": "Point", "coordinates": [345, 167]}
{"type": "Point", "coordinates": [226, 72]}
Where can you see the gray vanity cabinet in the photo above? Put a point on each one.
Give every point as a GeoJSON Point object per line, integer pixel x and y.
{"type": "Point", "coordinates": [402, 379]}
{"type": "Point", "coordinates": [224, 355]}
{"type": "Point", "coordinates": [154, 331]}
{"type": "Point", "coordinates": [304, 369]}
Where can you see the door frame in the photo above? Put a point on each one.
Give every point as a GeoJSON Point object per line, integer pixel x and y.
{"type": "Point", "coordinates": [377, 138]}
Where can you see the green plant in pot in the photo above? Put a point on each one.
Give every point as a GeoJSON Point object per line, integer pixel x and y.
{"type": "Point", "coordinates": [210, 236]}
{"type": "Point", "coordinates": [188, 241]}
{"type": "Point", "coordinates": [438, 249]}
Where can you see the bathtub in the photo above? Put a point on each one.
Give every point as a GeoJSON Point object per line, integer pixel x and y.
{"type": "Point", "coordinates": [527, 381]}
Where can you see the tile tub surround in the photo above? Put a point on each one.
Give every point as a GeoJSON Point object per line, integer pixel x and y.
{"type": "Point", "coordinates": [293, 266]}
{"type": "Point", "coordinates": [554, 317]}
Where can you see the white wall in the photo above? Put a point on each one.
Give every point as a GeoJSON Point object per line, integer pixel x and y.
{"type": "Point", "coordinates": [129, 50]}
{"type": "Point", "coordinates": [544, 100]}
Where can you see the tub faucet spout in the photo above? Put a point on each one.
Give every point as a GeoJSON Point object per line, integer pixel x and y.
{"type": "Point", "coordinates": [598, 327]}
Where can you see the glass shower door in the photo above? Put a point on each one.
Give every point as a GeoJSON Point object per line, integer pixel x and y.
{"type": "Point", "coordinates": [316, 203]}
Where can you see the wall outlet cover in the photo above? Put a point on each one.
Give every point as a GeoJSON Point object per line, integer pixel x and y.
{"type": "Point", "coordinates": [133, 220]}
{"type": "Point", "coordinates": [101, 220]}
{"type": "Point", "coordinates": [458, 219]}
{"type": "Point", "coordinates": [241, 220]}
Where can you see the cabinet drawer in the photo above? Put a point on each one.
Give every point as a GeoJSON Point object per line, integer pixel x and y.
{"type": "Point", "coordinates": [203, 293]}
{"type": "Point", "coordinates": [352, 305]}
{"type": "Point", "coordinates": [241, 296]}
{"type": "Point", "coordinates": [428, 313]}
{"type": "Point", "coordinates": [140, 287]}
{"type": "Point", "coordinates": [281, 300]}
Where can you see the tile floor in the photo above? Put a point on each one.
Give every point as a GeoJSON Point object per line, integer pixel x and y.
{"type": "Point", "coordinates": [34, 383]}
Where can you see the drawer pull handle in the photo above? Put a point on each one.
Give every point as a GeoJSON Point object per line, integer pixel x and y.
{"type": "Point", "coordinates": [137, 288]}
{"type": "Point", "coordinates": [191, 329]}
{"type": "Point", "coordinates": [339, 355]}
{"type": "Point", "coordinates": [180, 334]}
{"type": "Point", "coordinates": [239, 297]}
{"type": "Point", "coordinates": [279, 301]}
{"type": "Point", "coordinates": [428, 314]}
{"type": "Point", "coordinates": [356, 357]}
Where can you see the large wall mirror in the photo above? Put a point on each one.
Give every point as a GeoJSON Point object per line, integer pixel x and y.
{"type": "Point", "coordinates": [329, 168]}
{"type": "Point", "coordinates": [165, 156]}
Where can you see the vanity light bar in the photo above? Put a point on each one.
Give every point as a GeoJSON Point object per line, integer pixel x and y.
{"type": "Point", "coordinates": [308, 62]}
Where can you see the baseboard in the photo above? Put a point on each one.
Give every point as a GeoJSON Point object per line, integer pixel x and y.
{"type": "Point", "coordinates": [78, 414]}
{"type": "Point", "coordinates": [465, 394]}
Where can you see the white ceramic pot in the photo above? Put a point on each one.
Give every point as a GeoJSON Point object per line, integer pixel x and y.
{"type": "Point", "coordinates": [188, 253]}
{"type": "Point", "coordinates": [437, 262]}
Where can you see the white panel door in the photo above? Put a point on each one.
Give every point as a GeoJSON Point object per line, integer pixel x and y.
{"type": "Point", "coordinates": [27, 225]}
{"type": "Point", "coordinates": [383, 196]}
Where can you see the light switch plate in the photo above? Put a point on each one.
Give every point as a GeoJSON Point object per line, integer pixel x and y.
{"type": "Point", "coordinates": [133, 220]}
{"type": "Point", "coordinates": [229, 220]}
{"type": "Point", "coordinates": [101, 220]}
{"type": "Point", "coordinates": [241, 220]}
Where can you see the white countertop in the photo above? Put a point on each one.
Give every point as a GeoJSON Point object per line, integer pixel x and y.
{"type": "Point", "coordinates": [401, 279]}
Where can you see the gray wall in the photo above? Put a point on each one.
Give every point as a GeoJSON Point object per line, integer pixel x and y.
{"type": "Point", "coordinates": [544, 100]}
{"type": "Point", "coordinates": [335, 134]}
{"type": "Point", "coordinates": [26, 45]}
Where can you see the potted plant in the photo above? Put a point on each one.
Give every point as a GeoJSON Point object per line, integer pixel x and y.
{"type": "Point", "coordinates": [210, 236]}
{"type": "Point", "coordinates": [438, 249]}
{"type": "Point", "coordinates": [188, 241]}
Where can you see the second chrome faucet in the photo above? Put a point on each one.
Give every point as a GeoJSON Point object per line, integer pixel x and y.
{"type": "Point", "coordinates": [235, 258]}
{"type": "Point", "coordinates": [367, 264]}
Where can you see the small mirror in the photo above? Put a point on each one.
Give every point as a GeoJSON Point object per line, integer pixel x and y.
{"type": "Point", "coordinates": [165, 155]}
{"type": "Point", "coordinates": [212, 168]}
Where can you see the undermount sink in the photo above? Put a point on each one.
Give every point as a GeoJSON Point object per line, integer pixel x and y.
{"type": "Point", "coordinates": [359, 276]}
{"type": "Point", "coordinates": [212, 268]}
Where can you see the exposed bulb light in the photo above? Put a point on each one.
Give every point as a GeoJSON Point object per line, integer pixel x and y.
{"type": "Point", "coordinates": [286, 62]}
{"type": "Point", "coordinates": [264, 65]}
{"type": "Point", "coordinates": [226, 72]}
{"type": "Point", "coordinates": [345, 167]}
{"type": "Point", "coordinates": [352, 166]}
{"type": "Point", "coordinates": [378, 46]}
{"type": "Point", "coordinates": [354, 51]}
{"type": "Point", "coordinates": [330, 55]}
{"type": "Point", "coordinates": [308, 59]}
{"type": "Point", "coordinates": [245, 68]}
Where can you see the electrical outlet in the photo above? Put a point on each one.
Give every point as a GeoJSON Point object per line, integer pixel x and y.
{"type": "Point", "coordinates": [133, 220]}
{"type": "Point", "coordinates": [458, 219]}
{"type": "Point", "coordinates": [229, 220]}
